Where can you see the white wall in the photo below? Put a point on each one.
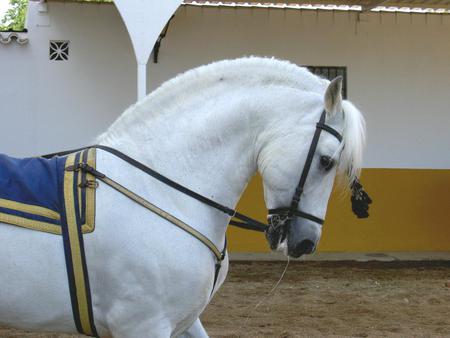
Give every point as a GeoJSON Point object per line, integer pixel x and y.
{"type": "Point", "coordinates": [398, 72]}
{"type": "Point", "coordinates": [54, 105]}
{"type": "Point", "coordinates": [398, 67]}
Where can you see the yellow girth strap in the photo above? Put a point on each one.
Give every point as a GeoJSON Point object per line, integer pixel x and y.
{"type": "Point", "coordinates": [73, 242]}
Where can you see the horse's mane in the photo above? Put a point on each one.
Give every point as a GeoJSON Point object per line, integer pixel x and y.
{"type": "Point", "coordinates": [246, 71]}
{"type": "Point", "coordinates": [353, 142]}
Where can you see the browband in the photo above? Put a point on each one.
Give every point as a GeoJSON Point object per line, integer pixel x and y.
{"type": "Point", "coordinates": [332, 131]}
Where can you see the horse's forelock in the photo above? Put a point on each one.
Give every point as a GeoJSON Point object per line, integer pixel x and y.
{"type": "Point", "coordinates": [354, 139]}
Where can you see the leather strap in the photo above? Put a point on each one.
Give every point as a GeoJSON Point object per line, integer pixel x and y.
{"type": "Point", "coordinates": [309, 158]}
{"type": "Point", "coordinates": [220, 255]}
{"type": "Point", "coordinates": [293, 209]}
{"type": "Point", "coordinates": [149, 206]}
{"type": "Point", "coordinates": [285, 211]}
{"type": "Point", "coordinates": [248, 222]}
{"type": "Point", "coordinates": [332, 131]}
{"type": "Point", "coordinates": [245, 221]}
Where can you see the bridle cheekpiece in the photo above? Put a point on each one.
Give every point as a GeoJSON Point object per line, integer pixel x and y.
{"type": "Point", "coordinates": [281, 217]}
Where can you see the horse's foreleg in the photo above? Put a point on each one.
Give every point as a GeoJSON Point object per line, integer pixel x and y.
{"type": "Point", "coordinates": [195, 331]}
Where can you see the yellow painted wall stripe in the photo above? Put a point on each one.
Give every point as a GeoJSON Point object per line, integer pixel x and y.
{"type": "Point", "coordinates": [410, 212]}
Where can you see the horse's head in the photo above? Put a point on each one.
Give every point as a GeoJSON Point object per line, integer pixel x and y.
{"type": "Point", "coordinates": [300, 164]}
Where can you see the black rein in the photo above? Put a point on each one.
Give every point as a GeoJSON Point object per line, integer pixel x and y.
{"type": "Point", "coordinates": [360, 199]}
{"type": "Point", "coordinates": [245, 221]}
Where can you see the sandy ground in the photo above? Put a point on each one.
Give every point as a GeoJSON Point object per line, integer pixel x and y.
{"type": "Point", "coordinates": [317, 299]}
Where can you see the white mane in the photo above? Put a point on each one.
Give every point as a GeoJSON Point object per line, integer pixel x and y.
{"type": "Point", "coordinates": [354, 139]}
{"type": "Point", "coordinates": [246, 71]}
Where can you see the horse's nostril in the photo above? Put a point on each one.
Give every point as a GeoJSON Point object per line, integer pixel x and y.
{"type": "Point", "coordinates": [304, 247]}
{"type": "Point", "coordinates": [307, 246]}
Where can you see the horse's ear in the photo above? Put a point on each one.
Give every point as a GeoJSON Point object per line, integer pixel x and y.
{"type": "Point", "coordinates": [333, 96]}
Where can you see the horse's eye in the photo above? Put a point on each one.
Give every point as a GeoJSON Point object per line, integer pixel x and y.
{"type": "Point", "coordinates": [326, 162]}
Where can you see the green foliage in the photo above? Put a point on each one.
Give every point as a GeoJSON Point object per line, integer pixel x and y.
{"type": "Point", "coordinates": [14, 18]}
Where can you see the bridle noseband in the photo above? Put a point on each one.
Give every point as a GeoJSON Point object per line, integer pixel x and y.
{"type": "Point", "coordinates": [283, 216]}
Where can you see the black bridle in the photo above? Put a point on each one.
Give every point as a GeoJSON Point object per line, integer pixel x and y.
{"type": "Point", "coordinates": [283, 215]}
{"type": "Point", "coordinates": [360, 199]}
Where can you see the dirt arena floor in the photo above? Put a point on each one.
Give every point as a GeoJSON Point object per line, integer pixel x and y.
{"type": "Point", "coordinates": [326, 299]}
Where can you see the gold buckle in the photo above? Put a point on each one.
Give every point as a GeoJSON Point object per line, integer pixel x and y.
{"type": "Point", "coordinates": [92, 184]}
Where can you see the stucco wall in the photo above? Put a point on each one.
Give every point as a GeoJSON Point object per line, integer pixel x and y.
{"type": "Point", "coordinates": [398, 67]}
{"type": "Point", "coordinates": [52, 105]}
{"type": "Point", "coordinates": [398, 71]}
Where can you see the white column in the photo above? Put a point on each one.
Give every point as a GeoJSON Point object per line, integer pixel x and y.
{"type": "Point", "coordinates": [141, 80]}
{"type": "Point", "coordinates": [145, 19]}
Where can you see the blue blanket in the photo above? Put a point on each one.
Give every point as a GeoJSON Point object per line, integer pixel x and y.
{"type": "Point", "coordinates": [32, 192]}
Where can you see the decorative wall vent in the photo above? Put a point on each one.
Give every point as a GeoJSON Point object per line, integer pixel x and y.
{"type": "Point", "coordinates": [330, 72]}
{"type": "Point", "coordinates": [59, 50]}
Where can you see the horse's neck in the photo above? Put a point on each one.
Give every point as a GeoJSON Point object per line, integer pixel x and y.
{"type": "Point", "coordinates": [207, 146]}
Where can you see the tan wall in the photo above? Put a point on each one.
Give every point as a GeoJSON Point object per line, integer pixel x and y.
{"type": "Point", "coordinates": [410, 212]}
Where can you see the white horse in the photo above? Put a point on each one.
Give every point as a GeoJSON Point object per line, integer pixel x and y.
{"type": "Point", "coordinates": [210, 129]}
